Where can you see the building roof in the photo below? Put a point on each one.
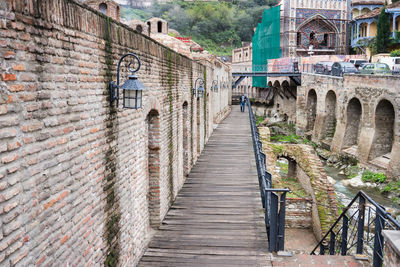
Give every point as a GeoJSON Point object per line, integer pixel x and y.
{"type": "Point", "coordinates": [367, 2]}
{"type": "Point", "coordinates": [376, 12]}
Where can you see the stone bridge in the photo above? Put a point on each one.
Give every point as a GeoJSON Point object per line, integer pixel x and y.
{"type": "Point", "coordinates": [356, 115]}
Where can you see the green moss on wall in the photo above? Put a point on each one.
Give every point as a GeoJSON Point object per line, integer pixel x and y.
{"type": "Point", "coordinates": [171, 134]}
{"type": "Point", "coordinates": [112, 207]}
{"type": "Point", "coordinates": [205, 103]}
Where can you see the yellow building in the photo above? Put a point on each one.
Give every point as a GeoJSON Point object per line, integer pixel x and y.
{"type": "Point", "coordinates": [364, 25]}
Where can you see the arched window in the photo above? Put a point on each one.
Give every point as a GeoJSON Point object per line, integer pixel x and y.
{"type": "Point", "coordinates": [159, 26]}
{"type": "Point", "coordinates": [149, 26]}
{"type": "Point", "coordinates": [325, 41]}
{"type": "Point", "coordinates": [103, 8]}
{"type": "Point", "coordinates": [312, 36]}
{"type": "Point", "coordinates": [299, 38]}
{"type": "Point", "coordinates": [139, 29]}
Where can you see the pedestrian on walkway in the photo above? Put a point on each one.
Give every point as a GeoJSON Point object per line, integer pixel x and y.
{"type": "Point", "coordinates": [243, 100]}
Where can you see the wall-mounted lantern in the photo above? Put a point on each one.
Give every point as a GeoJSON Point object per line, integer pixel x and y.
{"type": "Point", "coordinates": [214, 86]}
{"type": "Point", "coordinates": [132, 88]}
{"type": "Point", "coordinates": [200, 90]}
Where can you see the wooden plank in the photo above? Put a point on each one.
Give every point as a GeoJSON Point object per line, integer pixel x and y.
{"type": "Point", "coordinates": [217, 218]}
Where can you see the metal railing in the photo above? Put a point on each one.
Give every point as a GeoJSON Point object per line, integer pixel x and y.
{"type": "Point", "coordinates": [273, 205]}
{"type": "Point", "coordinates": [358, 230]}
{"type": "Point", "coordinates": [272, 68]}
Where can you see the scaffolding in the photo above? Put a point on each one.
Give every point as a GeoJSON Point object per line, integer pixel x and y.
{"type": "Point", "coordinates": [266, 41]}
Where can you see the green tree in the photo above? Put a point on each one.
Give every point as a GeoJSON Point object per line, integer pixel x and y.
{"type": "Point", "coordinates": [383, 35]}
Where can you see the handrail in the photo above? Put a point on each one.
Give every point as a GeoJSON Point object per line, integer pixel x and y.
{"type": "Point", "coordinates": [354, 218]}
{"type": "Point", "coordinates": [274, 217]}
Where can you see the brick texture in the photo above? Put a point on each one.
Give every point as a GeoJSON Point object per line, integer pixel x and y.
{"type": "Point", "coordinates": [83, 182]}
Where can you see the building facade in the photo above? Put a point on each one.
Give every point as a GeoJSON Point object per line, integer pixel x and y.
{"type": "Point", "coordinates": [363, 27]}
{"type": "Point", "coordinates": [313, 27]}
{"type": "Point", "coordinates": [241, 62]}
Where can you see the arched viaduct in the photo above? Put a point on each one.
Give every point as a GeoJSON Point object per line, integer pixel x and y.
{"type": "Point", "coordinates": [355, 115]}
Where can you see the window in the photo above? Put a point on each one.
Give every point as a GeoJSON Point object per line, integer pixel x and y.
{"type": "Point", "coordinates": [325, 41]}
{"type": "Point", "coordinates": [312, 36]}
{"type": "Point", "coordinates": [103, 8]}
{"type": "Point", "coordinates": [299, 38]}
{"type": "Point", "coordinates": [139, 29]}
{"type": "Point", "coordinates": [159, 26]}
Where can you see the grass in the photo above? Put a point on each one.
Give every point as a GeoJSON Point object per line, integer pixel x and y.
{"type": "Point", "coordinates": [392, 187]}
{"type": "Point", "coordinates": [259, 119]}
{"type": "Point", "coordinates": [373, 177]}
{"type": "Point", "coordinates": [284, 167]}
{"type": "Point", "coordinates": [295, 187]}
{"type": "Point", "coordinates": [286, 138]}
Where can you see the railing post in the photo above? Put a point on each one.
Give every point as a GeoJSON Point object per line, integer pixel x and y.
{"type": "Point", "coordinates": [321, 249]}
{"type": "Point", "coordinates": [332, 244]}
{"type": "Point", "coordinates": [360, 227]}
{"type": "Point", "coordinates": [344, 235]}
{"type": "Point", "coordinates": [378, 239]}
{"type": "Point", "coordinates": [281, 224]}
{"type": "Point", "coordinates": [273, 229]}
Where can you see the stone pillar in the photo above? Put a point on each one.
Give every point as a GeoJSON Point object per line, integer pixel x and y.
{"type": "Point", "coordinates": [369, 29]}
{"type": "Point", "coordinates": [394, 26]}
{"type": "Point", "coordinates": [391, 248]}
{"type": "Point", "coordinates": [352, 33]}
{"type": "Point", "coordinates": [365, 140]}
{"type": "Point", "coordinates": [337, 140]}
{"type": "Point", "coordinates": [394, 164]}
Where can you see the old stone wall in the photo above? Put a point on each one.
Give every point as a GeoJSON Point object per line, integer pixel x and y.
{"type": "Point", "coordinates": [356, 115]}
{"type": "Point", "coordinates": [277, 102]}
{"type": "Point", "coordinates": [298, 213]}
{"type": "Point", "coordinates": [83, 181]}
{"type": "Point", "coordinates": [307, 168]}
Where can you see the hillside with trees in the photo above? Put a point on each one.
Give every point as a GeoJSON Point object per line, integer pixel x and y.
{"type": "Point", "coordinates": [217, 26]}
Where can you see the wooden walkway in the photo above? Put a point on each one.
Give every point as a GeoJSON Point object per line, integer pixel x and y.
{"type": "Point", "coordinates": [217, 218]}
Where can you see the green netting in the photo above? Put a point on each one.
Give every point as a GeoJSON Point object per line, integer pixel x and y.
{"type": "Point", "coordinates": [266, 41]}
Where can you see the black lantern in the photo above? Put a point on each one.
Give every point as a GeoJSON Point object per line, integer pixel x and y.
{"type": "Point", "coordinates": [132, 87]}
{"type": "Point", "coordinates": [200, 90]}
{"type": "Point", "coordinates": [214, 86]}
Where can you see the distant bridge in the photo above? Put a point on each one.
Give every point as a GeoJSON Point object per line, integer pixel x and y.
{"type": "Point", "coordinates": [289, 70]}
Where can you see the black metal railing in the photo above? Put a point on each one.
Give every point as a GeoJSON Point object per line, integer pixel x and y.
{"type": "Point", "coordinates": [358, 230]}
{"type": "Point", "coordinates": [273, 204]}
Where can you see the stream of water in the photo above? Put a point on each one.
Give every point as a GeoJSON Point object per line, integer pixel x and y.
{"type": "Point", "coordinates": [346, 194]}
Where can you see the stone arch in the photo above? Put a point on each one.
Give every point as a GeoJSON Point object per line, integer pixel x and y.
{"type": "Point", "coordinates": [384, 130]}
{"type": "Point", "coordinates": [269, 84]}
{"type": "Point", "coordinates": [103, 8]}
{"type": "Point", "coordinates": [277, 84]}
{"type": "Point", "coordinates": [309, 36]}
{"type": "Point", "coordinates": [153, 167]}
{"type": "Point", "coordinates": [365, 10]}
{"type": "Point", "coordinates": [353, 123]}
{"type": "Point", "coordinates": [185, 140]}
{"type": "Point", "coordinates": [149, 27]}
{"type": "Point", "coordinates": [330, 115]}
{"type": "Point", "coordinates": [311, 109]}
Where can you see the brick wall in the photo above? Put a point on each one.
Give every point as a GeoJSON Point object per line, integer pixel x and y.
{"type": "Point", "coordinates": [83, 182]}
{"type": "Point", "coordinates": [298, 213]}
